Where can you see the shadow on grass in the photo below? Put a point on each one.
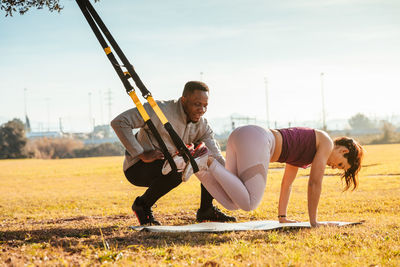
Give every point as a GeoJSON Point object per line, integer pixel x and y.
{"type": "Point", "coordinates": [75, 239]}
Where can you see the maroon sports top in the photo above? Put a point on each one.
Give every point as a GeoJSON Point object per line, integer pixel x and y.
{"type": "Point", "coordinates": [298, 146]}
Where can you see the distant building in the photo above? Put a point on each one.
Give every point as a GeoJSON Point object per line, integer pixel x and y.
{"type": "Point", "coordinates": [37, 135]}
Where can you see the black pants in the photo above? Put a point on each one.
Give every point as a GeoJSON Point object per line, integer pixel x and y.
{"type": "Point", "coordinates": [149, 175]}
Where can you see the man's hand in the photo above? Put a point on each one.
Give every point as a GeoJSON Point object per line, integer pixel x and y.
{"type": "Point", "coordinates": [284, 220]}
{"type": "Point", "coordinates": [150, 156]}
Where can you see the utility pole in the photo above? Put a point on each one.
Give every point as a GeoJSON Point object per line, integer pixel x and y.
{"type": "Point", "coordinates": [324, 127]}
{"type": "Point", "coordinates": [109, 103]}
{"type": "Point", "coordinates": [267, 100]}
{"type": "Point", "coordinates": [48, 113]}
{"type": "Point", "coordinates": [101, 108]}
{"type": "Point", "coordinates": [27, 123]}
{"type": "Point", "coordinates": [25, 109]}
{"type": "Point", "coordinates": [60, 124]}
{"type": "Point", "coordinates": [91, 126]}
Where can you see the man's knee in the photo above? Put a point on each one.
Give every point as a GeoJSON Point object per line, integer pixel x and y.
{"type": "Point", "coordinates": [143, 174]}
{"type": "Point", "coordinates": [174, 178]}
{"type": "Point", "coordinates": [138, 181]}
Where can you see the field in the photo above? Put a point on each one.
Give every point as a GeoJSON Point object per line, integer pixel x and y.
{"type": "Point", "coordinates": [77, 212]}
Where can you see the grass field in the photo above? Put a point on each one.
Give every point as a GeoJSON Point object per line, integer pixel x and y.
{"type": "Point", "coordinates": [77, 212]}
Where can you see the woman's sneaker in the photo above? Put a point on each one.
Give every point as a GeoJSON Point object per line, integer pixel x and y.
{"type": "Point", "coordinates": [201, 157]}
{"type": "Point", "coordinates": [179, 161]}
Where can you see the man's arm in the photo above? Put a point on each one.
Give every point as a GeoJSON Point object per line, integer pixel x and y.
{"type": "Point", "coordinates": [123, 125]}
{"type": "Point", "coordinates": [286, 188]}
{"type": "Point", "coordinates": [212, 144]}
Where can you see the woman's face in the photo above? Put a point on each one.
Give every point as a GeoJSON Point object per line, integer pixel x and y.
{"type": "Point", "coordinates": [336, 160]}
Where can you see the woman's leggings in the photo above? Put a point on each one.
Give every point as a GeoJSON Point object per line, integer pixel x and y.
{"type": "Point", "coordinates": [241, 183]}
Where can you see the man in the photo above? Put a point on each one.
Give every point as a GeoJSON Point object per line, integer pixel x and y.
{"type": "Point", "coordinates": [144, 160]}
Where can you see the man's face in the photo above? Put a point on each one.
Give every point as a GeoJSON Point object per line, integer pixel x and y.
{"type": "Point", "coordinates": [195, 105]}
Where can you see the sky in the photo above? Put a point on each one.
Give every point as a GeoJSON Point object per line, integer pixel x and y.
{"type": "Point", "coordinates": [53, 68]}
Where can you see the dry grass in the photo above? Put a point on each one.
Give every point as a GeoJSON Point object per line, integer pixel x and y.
{"type": "Point", "coordinates": [77, 212]}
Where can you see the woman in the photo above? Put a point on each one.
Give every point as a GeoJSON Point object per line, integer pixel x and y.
{"type": "Point", "coordinates": [250, 149]}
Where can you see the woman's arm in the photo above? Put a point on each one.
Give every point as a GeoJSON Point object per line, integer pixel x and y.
{"type": "Point", "coordinates": [286, 187]}
{"type": "Point", "coordinates": [324, 149]}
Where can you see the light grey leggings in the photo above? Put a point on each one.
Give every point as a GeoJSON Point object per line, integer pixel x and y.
{"type": "Point", "coordinates": [241, 183]}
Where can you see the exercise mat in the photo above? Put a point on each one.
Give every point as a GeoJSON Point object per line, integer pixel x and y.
{"type": "Point", "coordinates": [212, 227]}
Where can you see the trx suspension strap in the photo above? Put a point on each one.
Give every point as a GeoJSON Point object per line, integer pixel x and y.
{"type": "Point", "coordinates": [100, 29]}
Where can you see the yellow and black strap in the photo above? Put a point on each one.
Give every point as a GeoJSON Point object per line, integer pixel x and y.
{"type": "Point", "coordinates": [99, 28]}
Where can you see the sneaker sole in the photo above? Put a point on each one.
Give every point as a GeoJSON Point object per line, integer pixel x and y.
{"type": "Point", "coordinates": [188, 171]}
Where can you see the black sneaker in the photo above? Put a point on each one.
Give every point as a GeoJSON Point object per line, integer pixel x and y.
{"type": "Point", "coordinates": [144, 214]}
{"type": "Point", "coordinates": [213, 214]}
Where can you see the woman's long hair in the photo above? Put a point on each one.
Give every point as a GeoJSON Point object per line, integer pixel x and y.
{"type": "Point", "coordinates": [354, 157]}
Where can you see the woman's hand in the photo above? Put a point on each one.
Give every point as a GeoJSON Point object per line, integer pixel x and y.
{"type": "Point", "coordinates": [284, 220]}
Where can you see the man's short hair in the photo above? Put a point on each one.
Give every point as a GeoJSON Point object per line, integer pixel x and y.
{"type": "Point", "coordinates": [191, 86]}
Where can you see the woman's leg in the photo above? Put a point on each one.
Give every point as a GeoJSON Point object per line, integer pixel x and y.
{"type": "Point", "coordinates": [245, 191]}
{"type": "Point", "coordinates": [216, 190]}
{"type": "Point", "coordinates": [210, 183]}
{"type": "Point", "coordinates": [243, 180]}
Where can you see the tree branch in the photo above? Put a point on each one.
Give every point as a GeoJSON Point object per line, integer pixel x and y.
{"type": "Point", "coordinates": [22, 6]}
